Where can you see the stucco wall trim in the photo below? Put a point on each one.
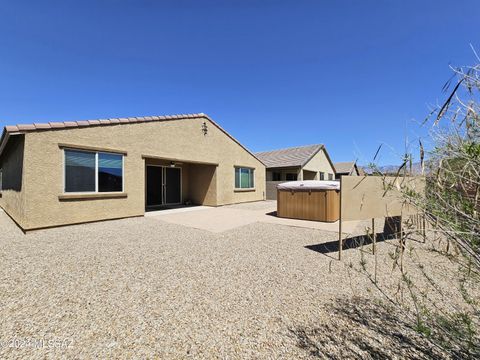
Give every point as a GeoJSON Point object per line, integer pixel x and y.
{"type": "Point", "coordinates": [96, 196]}
{"type": "Point", "coordinates": [90, 148]}
{"type": "Point", "coordinates": [245, 167]}
{"type": "Point", "coordinates": [245, 190]}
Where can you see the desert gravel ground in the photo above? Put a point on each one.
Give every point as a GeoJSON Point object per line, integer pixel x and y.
{"type": "Point", "coordinates": [144, 288]}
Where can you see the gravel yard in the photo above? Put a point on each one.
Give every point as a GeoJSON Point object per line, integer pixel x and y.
{"type": "Point", "coordinates": [145, 288]}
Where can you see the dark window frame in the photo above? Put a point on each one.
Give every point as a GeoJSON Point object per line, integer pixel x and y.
{"type": "Point", "coordinates": [96, 171]}
{"type": "Point", "coordinates": [287, 175]}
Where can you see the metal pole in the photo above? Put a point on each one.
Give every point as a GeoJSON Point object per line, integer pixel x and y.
{"type": "Point", "coordinates": [340, 241]}
{"type": "Point", "coordinates": [374, 236]}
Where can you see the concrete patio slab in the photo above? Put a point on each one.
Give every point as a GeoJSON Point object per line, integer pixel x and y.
{"type": "Point", "coordinates": [229, 217]}
{"type": "Point", "coordinates": [176, 210]}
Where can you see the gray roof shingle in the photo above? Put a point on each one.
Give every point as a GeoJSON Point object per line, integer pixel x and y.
{"type": "Point", "coordinates": [290, 157]}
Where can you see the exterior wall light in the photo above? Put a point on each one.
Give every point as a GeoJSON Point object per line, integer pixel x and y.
{"type": "Point", "coordinates": [205, 128]}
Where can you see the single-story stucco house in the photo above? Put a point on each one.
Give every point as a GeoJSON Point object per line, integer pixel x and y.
{"type": "Point", "coordinates": [71, 172]}
{"type": "Point", "coordinates": [310, 162]}
{"type": "Point", "coordinates": [348, 168]}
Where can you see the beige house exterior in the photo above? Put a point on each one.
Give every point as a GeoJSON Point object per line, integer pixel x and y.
{"type": "Point", "coordinates": [310, 162]}
{"type": "Point", "coordinates": [348, 168]}
{"type": "Point", "coordinates": [187, 158]}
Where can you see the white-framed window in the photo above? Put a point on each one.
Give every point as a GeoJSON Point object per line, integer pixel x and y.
{"type": "Point", "coordinates": [322, 175]}
{"type": "Point", "coordinates": [244, 178]}
{"type": "Point", "coordinates": [92, 171]}
{"type": "Point", "coordinates": [330, 176]}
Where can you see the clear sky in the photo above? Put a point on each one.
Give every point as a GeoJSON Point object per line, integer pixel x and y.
{"type": "Point", "coordinates": [349, 74]}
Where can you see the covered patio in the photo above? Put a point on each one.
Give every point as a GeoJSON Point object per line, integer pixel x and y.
{"type": "Point", "coordinates": [172, 183]}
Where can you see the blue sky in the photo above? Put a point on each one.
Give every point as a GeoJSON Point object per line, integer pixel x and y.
{"type": "Point", "coordinates": [349, 74]}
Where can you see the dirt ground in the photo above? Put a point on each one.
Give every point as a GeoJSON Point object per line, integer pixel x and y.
{"type": "Point", "coordinates": [148, 288]}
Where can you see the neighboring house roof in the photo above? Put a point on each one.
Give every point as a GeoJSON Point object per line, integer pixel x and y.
{"type": "Point", "coordinates": [24, 128]}
{"type": "Point", "coordinates": [345, 167]}
{"type": "Point", "coordinates": [289, 157]}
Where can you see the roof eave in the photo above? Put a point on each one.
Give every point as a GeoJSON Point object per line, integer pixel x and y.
{"type": "Point", "coordinates": [21, 129]}
{"type": "Point", "coordinates": [283, 167]}
{"type": "Point", "coordinates": [3, 140]}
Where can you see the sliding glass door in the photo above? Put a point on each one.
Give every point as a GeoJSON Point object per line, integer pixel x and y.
{"type": "Point", "coordinates": [173, 185]}
{"type": "Point", "coordinates": [164, 185]}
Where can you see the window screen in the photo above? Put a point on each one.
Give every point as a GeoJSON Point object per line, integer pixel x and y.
{"type": "Point", "coordinates": [87, 171]}
{"type": "Point", "coordinates": [330, 176]}
{"type": "Point", "coordinates": [322, 175]}
{"type": "Point", "coordinates": [79, 171]}
{"type": "Point", "coordinates": [244, 178]}
{"type": "Point", "coordinates": [110, 172]}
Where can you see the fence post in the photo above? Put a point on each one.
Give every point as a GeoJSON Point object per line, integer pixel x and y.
{"type": "Point", "coordinates": [374, 236]}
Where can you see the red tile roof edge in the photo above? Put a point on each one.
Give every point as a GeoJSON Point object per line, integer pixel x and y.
{"type": "Point", "coordinates": [25, 128]}
{"type": "Point", "coordinates": [98, 122]}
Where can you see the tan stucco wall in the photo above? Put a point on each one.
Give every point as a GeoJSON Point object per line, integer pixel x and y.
{"type": "Point", "coordinates": [12, 198]}
{"type": "Point", "coordinates": [320, 163]}
{"type": "Point", "coordinates": [310, 175]}
{"type": "Point", "coordinates": [203, 187]}
{"type": "Point", "coordinates": [271, 189]}
{"type": "Point", "coordinates": [181, 140]}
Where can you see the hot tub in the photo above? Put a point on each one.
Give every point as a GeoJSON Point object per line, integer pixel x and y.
{"type": "Point", "coordinates": [309, 200]}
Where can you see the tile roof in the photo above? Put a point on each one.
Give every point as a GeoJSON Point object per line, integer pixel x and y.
{"type": "Point", "coordinates": [99, 122]}
{"type": "Point", "coordinates": [344, 167]}
{"type": "Point", "coordinates": [23, 128]}
{"type": "Point", "coordinates": [290, 157]}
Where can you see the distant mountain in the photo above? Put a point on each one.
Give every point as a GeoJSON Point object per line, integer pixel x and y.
{"type": "Point", "coordinates": [392, 169]}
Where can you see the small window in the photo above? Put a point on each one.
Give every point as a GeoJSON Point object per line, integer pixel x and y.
{"type": "Point", "coordinates": [322, 175]}
{"type": "Point", "coordinates": [330, 176]}
{"type": "Point", "coordinates": [244, 178]}
{"type": "Point", "coordinates": [291, 177]}
{"type": "Point", "coordinates": [276, 176]}
{"type": "Point", "coordinates": [87, 171]}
